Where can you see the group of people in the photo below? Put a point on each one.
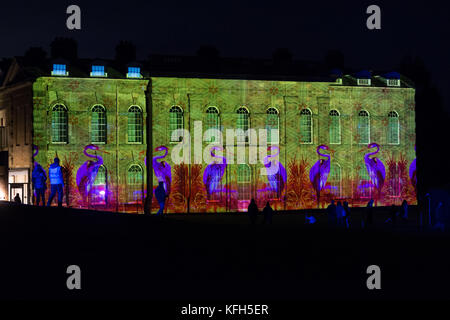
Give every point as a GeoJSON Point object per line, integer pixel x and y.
{"type": "Point", "coordinates": [253, 212]}
{"type": "Point", "coordinates": [339, 214]}
{"type": "Point", "coordinates": [39, 179]}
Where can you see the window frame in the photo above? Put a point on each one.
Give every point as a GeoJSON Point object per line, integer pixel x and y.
{"type": "Point", "coordinates": [66, 124]}
{"type": "Point", "coordinates": [141, 118]}
{"type": "Point", "coordinates": [311, 125]}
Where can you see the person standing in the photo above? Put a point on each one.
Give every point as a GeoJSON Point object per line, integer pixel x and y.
{"type": "Point", "coordinates": [17, 199]}
{"type": "Point", "coordinates": [331, 211]}
{"type": "Point", "coordinates": [340, 214]}
{"type": "Point", "coordinates": [404, 210]}
{"type": "Point", "coordinates": [252, 211]}
{"type": "Point", "coordinates": [39, 179]}
{"type": "Point", "coordinates": [369, 213]}
{"type": "Point", "coordinates": [161, 196]}
{"type": "Point", "coordinates": [56, 182]}
{"type": "Point", "coordinates": [347, 214]}
{"type": "Point", "coordinates": [268, 213]}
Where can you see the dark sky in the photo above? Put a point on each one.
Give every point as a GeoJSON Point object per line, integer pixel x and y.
{"type": "Point", "coordinates": [240, 28]}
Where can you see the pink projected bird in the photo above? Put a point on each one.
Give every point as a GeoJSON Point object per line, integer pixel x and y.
{"type": "Point", "coordinates": [412, 173]}
{"type": "Point", "coordinates": [35, 153]}
{"type": "Point", "coordinates": [214, 172]}
{"type": "Point", "coordinates": [87, 173]}
{"type": "Point", "coordinates": [163, 171]}
{"type": "Point", "coordinates": [318, 174]}
{"type": "Point", "coordinates": [375, 168]}
{"type": "Point", "coordinates": [276, 173]}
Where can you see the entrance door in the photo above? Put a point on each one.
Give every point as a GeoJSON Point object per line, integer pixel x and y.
{"type": "Point", "coordinates": [16, 189]}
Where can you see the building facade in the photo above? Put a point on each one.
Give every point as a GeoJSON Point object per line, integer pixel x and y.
{"type": "Point", "coordinates": [320, 135]}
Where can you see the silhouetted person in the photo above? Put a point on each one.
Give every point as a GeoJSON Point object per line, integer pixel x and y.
{"type": "Point", "coordinates": [392, 215]}
{"type": "Point", "coordinates": [17, 199]}
{"type": "Point", "coordinates": [404, 210]}
{"type": "Point", "coordinates": [56, 182]}
{"type": "Point", "coordinates": [39, 179]}
{"type": "Point", "coordinates": [369, 213]}
{"type": "Point", "coordinates": [347, 214]}
{"type": "Point", "coordinates": [268, 213]}
{"type": "Point", "coordinates": [340, 213]}
{"type": "Point", "coordinates": [160, 195]}
{"type": "Point", "coordinates": [252, 211]}
{"type": "Point", "coordinates": [331, 212]}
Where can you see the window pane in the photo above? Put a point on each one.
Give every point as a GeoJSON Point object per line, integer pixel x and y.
{"type": "Point", "coordinates": [305, 126]}
{"type": "Point", "coordinates": [135, 126]}
{"type": "Point", "coordinates": [59, 124]}
{"type": "Point", "coordinates": [335, 127]}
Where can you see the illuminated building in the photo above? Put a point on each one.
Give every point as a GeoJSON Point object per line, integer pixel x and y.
{"type": "Point", "coordinates": [63, 113]}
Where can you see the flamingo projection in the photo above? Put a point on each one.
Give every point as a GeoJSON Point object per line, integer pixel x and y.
{"type": "Point", "coordinates": [214, 172]}
{"type": "Point", "coordinates": [375, 168]}
{"type": "Point", "coordinates": [412, 173]}
{"type": "Point", "coordinates": [276, 173]}
{"type": "Point", "coordinates": [35, 153]}
{"type": "Point", "coordinates": [162, 169]}
{"type": "Point", "coordinates": [319, 172]}
{"type": "Point", "coordinates": [87, 173]}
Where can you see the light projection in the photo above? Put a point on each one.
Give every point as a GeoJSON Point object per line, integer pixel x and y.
{"type": "Point", "coordinates": [321, 126]}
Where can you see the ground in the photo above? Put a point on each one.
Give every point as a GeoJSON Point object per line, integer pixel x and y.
{"type": "Point", "coordinates": [214, 257]}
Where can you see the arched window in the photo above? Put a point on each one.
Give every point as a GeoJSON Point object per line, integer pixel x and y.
{"type": "Point", "coordinates": [272, 123]}
{"type": "Point", "coordinates": [364, 186]}
{"type": "Point", "coordinates": [175, 122]}
{"type": "Point", "coordinates": [135, 125]}
{"type": "Point", "coordinates": [212, 122]}
{"type": "Point", "coordinates": [59, 124]}
{"type": "Point", "coordinates": [99, 193]}
{"type": "Point", "coordinates": [135, 183]}
{"type": "Point", "coordinates": [98, 124]}
{"type": "Point", "coordinates": [243, 124]}
{"type": "Point", "coordinates": [393, 136]}
{"type": "Point", "coordinates": [335, 127]}
{"type": "Point", "coordinates": [244, 182]}
{"type": "Point", "coordinates": [363, 127]}
{"type": "Point", "coordinates": [335, 179]}
{"type": "Point", "coordinates": [305, 126]}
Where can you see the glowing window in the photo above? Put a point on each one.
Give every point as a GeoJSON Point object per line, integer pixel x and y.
{"type": "Point", "coordinates": [135, 126]}
{"type": "Point", "coordinates": [305, 126]}
{"type": "Point", "coordinates": [100, 179]}
{"type": "Point", "coordinates": [212, 122]}
{"type": "Point", "coordinates": [335, 127]}
{"type": "Point", "coordinates": [59, 70]}
{"type": "Point", "coordinates": [176, 122]}
{"type": "Point", "coordinates": [98, 124]}
{"type": "Point", "coordinates": [134, 72]}
{"type": "Point", "coordinates": [363, 127]}
{"type": "Point", "coordinates": [135, 182]}
{"type": "Point", "coordinates": [244, 181]}
{"type": "Point", "coordinates": [59, 124]}
{"type": "Point", "coordinates": [98, 71]}
{"type": "Point", "coordinates": [335, 179]}
{"type": "Point", "coordinates": [272, 123]}
{"type": "Point", "coordinates": [393, 136]}
{"type": "Point", "coordinates": [243, 124]}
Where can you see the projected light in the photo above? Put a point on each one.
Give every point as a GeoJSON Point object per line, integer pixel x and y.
{"type": "Point", "coordinates": [98, 71]}
{"type": "Point", "coordinates": [134, 72]}
{"type": "Point", "coordinates": [59, 70]}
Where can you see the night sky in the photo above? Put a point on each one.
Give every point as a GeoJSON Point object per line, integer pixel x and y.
{"type": "Point", "coordinates": [238, 28]}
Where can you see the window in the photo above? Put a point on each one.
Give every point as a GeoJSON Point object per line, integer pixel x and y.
{"type": "Point", "coordinates": [365, 185]}
{"type": "Point", "coordinates": [243, 181]}
{"type": "Point", "coordinates": [98, 71]}
{"type": "Point", "coordinates": [335, 127]}
{"type": "Point", "coordinates": [335, 179]}
{"type": "Point", "coordinates": [59, 124]}
{"type": "Point", "coordinates": [135, 183]}
{"type": "Point", "coordinates": [393, 128]}
{"type": "Point", "coordinates": [135, 125]}
{"type": "Point", "coordinates": [176, 122]}
{"type": "Point", "coordinates": [212, 122]}
{"type": "Point", "coordinates": [100, 186]}
{"type": "Point", "coordinates": [393, 82]}
{"type": "Point", "coordinates": [363, 82]}
{"type": "Point", "coordinates": [59, 70]}
{"type": "Point", "coordinates": [243, 124]}
{"type": "Point", "coordinates": [272, 123]}
{"type": "Point", "coordinates": [305, 126]}
{"type": "Point", "coordinates": [363, 127]}
{"type": "Point", "coordinates": [134, 72]}
{"type": "Point", "coordinates": [98, 124]}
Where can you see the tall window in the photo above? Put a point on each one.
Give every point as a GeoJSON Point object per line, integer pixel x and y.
{"type": "Point", "coordinates": [244, 181]}
{"type": "Point", "coordinates": [212, 122]}
{"type": "Point", "coordinates": [135, 183]}
{"type": "Point", "coordinates": [335, 179]}
{"type": "Point", "coordinates": [272, 123]}
{"type": "Point", "coordinates": [98, 124]}
{"type": "Point", "coordinates": [100, 186]}
{"type": "Point", "coordinates": [365, 186]}
{"type": "Point", "coordinates": [305, 126]}
{"type": "Point", "coordinates": [335, 127]}
{"type": "Point", "coordinates": [135, 127]}
{"type": "Point", "coordinates": [242, 123]}
{"type": "Point", "coordinates": [363, 127]}
{"type": "Point", "coordinates": [59, 124]}
{"type": "Point", "coordinates": [175, 122]}
{"type": "Point", "coordinates": [393, 128]}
